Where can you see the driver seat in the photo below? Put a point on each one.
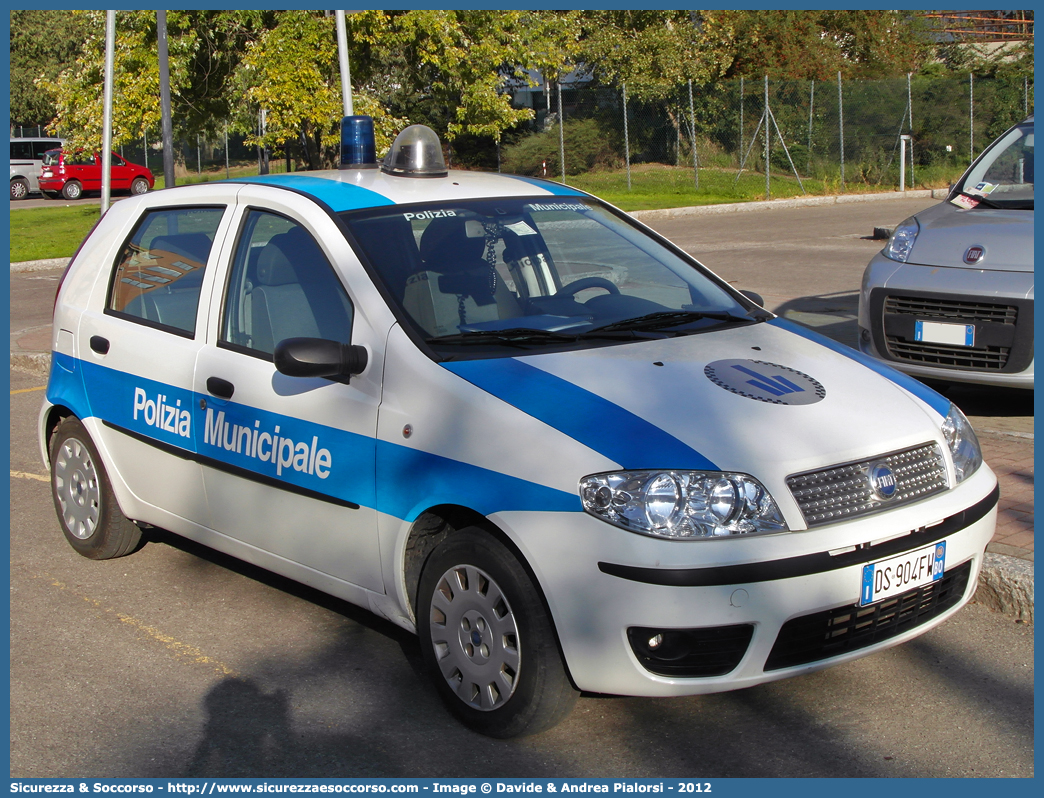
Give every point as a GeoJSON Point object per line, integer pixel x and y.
{"type": "Point", "coordinates": [456, 277]}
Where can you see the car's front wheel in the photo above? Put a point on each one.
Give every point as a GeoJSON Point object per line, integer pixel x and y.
{"type": "Point", "coordinates": [87, 509]}
{"type": "Point", "coordinates": [139, 185]}
{"type": "Point", "coordinates": [19, 188]}
{"type": "Point", "coordinates": [72, 190]}
{"type": "Point", "coordinates": [488, 639]}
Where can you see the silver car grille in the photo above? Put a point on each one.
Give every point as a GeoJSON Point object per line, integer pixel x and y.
{"type": "Point", "coordinates": [845, 491]}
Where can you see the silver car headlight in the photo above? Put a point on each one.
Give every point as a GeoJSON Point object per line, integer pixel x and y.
{"type": "Point", "coordinates": [682, 505]}
{"type": "Point", "coordinates": [964, 446]}
{"type": "Point", "coordinates": [901, 243]}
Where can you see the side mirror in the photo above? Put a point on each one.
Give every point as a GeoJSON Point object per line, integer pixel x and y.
{"type": "Point", "coordinates": [754, 297]}
{"type": "Point", "coordinates": [318, 357]}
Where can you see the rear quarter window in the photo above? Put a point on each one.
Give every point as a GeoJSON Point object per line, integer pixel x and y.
{"type": "Point", "coordinates": [159, 273]}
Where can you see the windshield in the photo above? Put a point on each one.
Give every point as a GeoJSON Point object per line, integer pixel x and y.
{"type": "Point", "coordinates": [51, 157]}
{"type": "Point", "coordinates": [1003, 175]}
{"type": "Point", "coordinates": [485, 275]}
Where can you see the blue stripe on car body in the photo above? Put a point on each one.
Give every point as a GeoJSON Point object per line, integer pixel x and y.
{"type": "Point", "coordinates": [607, 428]}
{"type": "Point", "coordinates": [340, 196]}
{"type": "Point", "coordinates": [939, 403]}
{"type": "Point", "coordinates": [556, 189]}
{"type": "Point", "coordinates": [411, 481]}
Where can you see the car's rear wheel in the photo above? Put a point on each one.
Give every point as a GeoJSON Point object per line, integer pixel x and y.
{"type": "Point", "coordinates": [87, 509]}
{"type": "Point", "coordinates": [139, 185]}
{"type": "Point", "coordinates": [72, 190]}
{"type": "Point", "coordinates": [488, 639]}
{"type": "Point", "coordinates": [19, 188]}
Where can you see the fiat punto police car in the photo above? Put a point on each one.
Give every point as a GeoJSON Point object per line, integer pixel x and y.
{"type": "Point", "coordinates": [504, 415]}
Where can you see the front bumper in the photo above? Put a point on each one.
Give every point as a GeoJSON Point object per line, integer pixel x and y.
{"type": "Point", "coordinates": [601, 581]}
{"type": "Point", "coordinates": [999, 304]}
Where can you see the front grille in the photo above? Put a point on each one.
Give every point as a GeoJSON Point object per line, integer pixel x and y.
{"type": "Point", "coordinates": [991, 358]}
{"type": "Point", "coordinates": [951, 310]}
{"type": "Point", "coordinates": [1003, 330]}
{"type": "Point", "coordinates": [708, 651]}
{"type": "Point", "coordinates": [844, 491]}
{"type": "Point", "coordinates": [838, 631]}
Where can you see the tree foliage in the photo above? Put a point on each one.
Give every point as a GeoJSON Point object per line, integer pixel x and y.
{"type": "Point", "coordinates": [43, 42]}
{"type": "Point", "coordinates": [816, 45]}
{"type": "Point", "coordinates": [454, 70]}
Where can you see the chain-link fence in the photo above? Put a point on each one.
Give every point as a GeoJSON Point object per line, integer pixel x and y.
{"type": "Point", "coordinates": [741, 137]}
{"type": "Point", "coordinates": [810, 134]}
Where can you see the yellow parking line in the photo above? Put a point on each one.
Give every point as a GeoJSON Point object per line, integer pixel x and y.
{"type": "Point", "coordinates": [27, 475]}
{"type": "Point", "coordinates": [28, 390]}
{"type": "Point", "coordinates": [180, 651]}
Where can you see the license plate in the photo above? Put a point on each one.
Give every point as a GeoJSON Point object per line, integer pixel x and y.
{"type": "Point", "coordinates": [904, 572]}
{"type": "Point", "coordinates": [934, 332]}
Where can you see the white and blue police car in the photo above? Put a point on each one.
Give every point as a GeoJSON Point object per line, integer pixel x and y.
{"type": "Point", "coordinates": [504, 415]}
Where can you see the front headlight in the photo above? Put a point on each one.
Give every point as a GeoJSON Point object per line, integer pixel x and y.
{"type": "Point", "coordinates": [682, 505]}
{"type": "Point", "coordinates": [901, 243]}
{"type": "Point", "coordinates": [964, 446]}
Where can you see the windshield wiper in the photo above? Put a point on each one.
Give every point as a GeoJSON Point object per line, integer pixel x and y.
{"type": "Point", "coordinates": [981, 199]}
{"type": "Point", "coordinates": [525, 336]}
{"type": "Point", "coordinates": [673, 318]}
{"type": "Point", "coordinates": [512, 336]}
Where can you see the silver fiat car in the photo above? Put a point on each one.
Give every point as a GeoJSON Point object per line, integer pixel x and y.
{"type": "Point", "coordinates": [950, 297]}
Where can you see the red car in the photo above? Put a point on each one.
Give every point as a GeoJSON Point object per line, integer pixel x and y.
{"type": "Point", "coordinates": [72, 173]}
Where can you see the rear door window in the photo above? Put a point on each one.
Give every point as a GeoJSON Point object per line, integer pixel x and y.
{"type": "Point", "coordinates": [159, 273]}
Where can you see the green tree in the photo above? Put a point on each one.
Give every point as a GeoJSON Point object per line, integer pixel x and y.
{"type": "Point", "coordinates": [292, 73]}
{"type": "Point", "coordinates": [654, 52]}
{"type": "Point", "coordinates": [816, 45]}
{"type": "Point", "coordinates": [43, 43]}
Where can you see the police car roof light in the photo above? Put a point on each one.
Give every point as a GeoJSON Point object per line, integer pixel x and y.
{"type": "Point", "coordinates": [358, 147]}
{"type": "Point", "coordinates": [417, 152]}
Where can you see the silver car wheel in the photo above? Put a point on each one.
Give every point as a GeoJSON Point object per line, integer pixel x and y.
{"type": "Point", "coordinates": [475, 638]}
{"type": "Point", "coordinates": [77, 488]}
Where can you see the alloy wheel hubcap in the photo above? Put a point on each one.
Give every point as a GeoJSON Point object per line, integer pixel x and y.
{"type": "Point", "coordinates": [475, 637]}
{"type": "Point", "coordinates": [76, 486]}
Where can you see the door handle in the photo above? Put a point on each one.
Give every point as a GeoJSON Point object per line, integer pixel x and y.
{"type": "Point", "coordinates": [100, 345]}
{"type": "Point", "coordinates": [220, 388]}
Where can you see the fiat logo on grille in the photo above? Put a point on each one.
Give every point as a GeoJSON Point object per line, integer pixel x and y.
{"type": "Point", "coordinates": [882, 481]}
{"type": "Point", "coordinates": [974, 253]}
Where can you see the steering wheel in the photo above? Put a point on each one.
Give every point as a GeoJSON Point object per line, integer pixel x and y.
{"type": "Point", "coordinates": [577, 286]}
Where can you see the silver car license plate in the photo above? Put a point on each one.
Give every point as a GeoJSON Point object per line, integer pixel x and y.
{"type": "Point", "coordinates": [934, 332]}
{"type": "Point", "coordinates": [903, 572]}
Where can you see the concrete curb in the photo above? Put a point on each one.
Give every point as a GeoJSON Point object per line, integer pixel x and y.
{"type": "Point", "coordinates": [39, 265]}
{"type": "Point", "coordinates": [1006, 586]}
{"type": "Point", "coordinates": [782, 204]}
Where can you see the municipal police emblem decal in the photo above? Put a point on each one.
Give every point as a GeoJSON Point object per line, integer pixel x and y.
{"type": "Point", "coordinates": [765, 382]}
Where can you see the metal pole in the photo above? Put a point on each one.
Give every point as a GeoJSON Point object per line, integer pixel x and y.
{"type": "Point", "coordinates": [741, 149]}
{"type": "Point", "coordinates": [226, 151]}
{"type": "Point", "coordinates": [166, 126]}
{"type": "Point", "coordinates": [342, 50]}
{"type": "Point", "coordinates": [199, 157]}
{"type": "Point", "coordinates": [561, 132]}
{"type": "Point", "coordinates": [768, 141]}
{"type": "Point", "coordinates": [902, 164]}
{"type": "Point", "coordinates": [627, 140]}
{"type": "Point", "coordinates": [909, 105]}
{"type": "Point", "coordinates": [841, 126]}
{"type": "Point", "coordinates": [811, 107]}
{"type": "Point", "coordinates": [106, 155]}
{"type": "Point", "coordinates": [971, 116]}
{"type": "Point", "coordinates": [692, 139]}
{"type": "Point", "coordinates": [1025, 96]}
{"type": "Point", "coordinates": [145, 148]}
